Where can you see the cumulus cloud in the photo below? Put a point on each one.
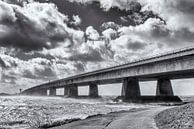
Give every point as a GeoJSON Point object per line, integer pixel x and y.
{"type": "Point", "coordinates": [108, 4]}
{"type": "Point", "coordinates": [76, 20]}
{"type": "Point", "coordinates": [16, 70]}
{"type": "Point", "coordinates": [91, 33]}
{"type": "Point", "coordinates": [2, 63]}
{"type": "Point", "coordinates": [156, 31]}
{"type": "Point", "coordinates": [21, 27]}
{"type": "Point", "coordinates": [177, 14]}
{"type": "Point", "coordinates": [109, 33]}
{"type": "Point", "coordinates": [40, 42]}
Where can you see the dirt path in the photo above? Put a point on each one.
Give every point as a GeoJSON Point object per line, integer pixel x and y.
{"type": "Point", "coordinates": [142, 119]}
{"type": "Point", "coordinates": [137, 120]}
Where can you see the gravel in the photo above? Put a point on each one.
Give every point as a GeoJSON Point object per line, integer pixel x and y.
{"type": "Point", "coordinates": [181, 117]}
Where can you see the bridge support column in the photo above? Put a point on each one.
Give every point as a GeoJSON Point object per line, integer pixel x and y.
{"type": "Point", "coordinates": [38, 92]}
{"type": "Point", "coordinates": [52, 92]}
{"type": "Point", "coordinates": [93, 90]}
{"type": "Point", "coordinates": [66, 91]}
{"type": "Point", "coordinates": [164, 87]}
{"type": "Point", "coordinates": [41, 92]}
{"type": "Point", "coordinates": [131, 88]}
{"type": "Point", "coordinates": [73, 91]}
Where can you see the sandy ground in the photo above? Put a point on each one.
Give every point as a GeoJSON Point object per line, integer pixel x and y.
{"type": "Point", "coordinates": [135, 119]}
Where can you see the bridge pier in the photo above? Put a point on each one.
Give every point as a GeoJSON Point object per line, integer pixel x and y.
{"type": "Point", "coordinates": [93, 90]}
{"type": "Point", "coordinates": [52, 92]}
{"type": "Point", "coordinates": [73, 91]}
{"type": "Point", "coordinates": [164, 87]}
{"type": "Point", "coordinates": [42, 92]}
{"type": "Point", "coordinates": [38, 92]}
{"type": "Point", "coordinates": [66, 91]}
{"type": "Point", "coordinates": [131, 88]}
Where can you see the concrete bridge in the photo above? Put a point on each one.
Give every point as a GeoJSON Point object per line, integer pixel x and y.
{"type": "Point", "coordinates": [172, 65]}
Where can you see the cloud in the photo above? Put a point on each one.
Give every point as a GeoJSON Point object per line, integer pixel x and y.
{"type": "Point", "coordinates": [129, 48]}
{"type": "Point", "coordinates": [24, 25]}
{"type": "Point", "coordinates": [47, 41]}
{"type": "Point", "coordinates": [109, 33]}
{"type": "Point", "coordinates": [2, 63]}
{"type": "Point", "coordinates": [36, 68]}
{"type": "Point", "coordinates": [76, 20]}
{"type": "Point", "coordinates": [91, 33]}
{"type": "Point", "coordinates": [108, 4]}
{"type": "Point", "coordinates": [177, 14]}
{"type": "Point", "coordinates": [156, 31]}
{"type": "Point", "coordinates": [18, 2]}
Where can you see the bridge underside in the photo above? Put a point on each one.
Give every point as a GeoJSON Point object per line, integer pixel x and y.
{"type": "Point", "coordinates": [130, 90]}
{"type": "Point", "coordinates": [130, 87]}
{"type": "Point", "coordinates": [150, 77]}
{"type": "Point", "coordinates": [163, 69]}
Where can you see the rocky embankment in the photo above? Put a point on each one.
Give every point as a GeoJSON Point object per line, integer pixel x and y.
{"type": "Point", "coordinates": [181, 117]}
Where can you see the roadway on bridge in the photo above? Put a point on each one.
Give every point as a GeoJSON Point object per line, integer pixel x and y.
{"type": "Point", "coordinates": [140, 119]}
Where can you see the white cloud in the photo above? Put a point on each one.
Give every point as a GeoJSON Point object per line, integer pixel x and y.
{"type": "Point", "coordinates": [109, 33]}
{"type": "Point", "coordinates": [156, 31]}
{"type": "Point", "coordinates": [178, 14]}
{"type": "Point", "coordinates": [35, 19]}
{"type": "Point", "coordinates": [70, 53]}
{"type": "Point", "coordinates": [91, 33]}
{"type": "Point", "coordinates": [76, 20]}
{"type": "Point", "coordinates": [6, 12]}
{"type": "Point", "coordinates": [107, 4]}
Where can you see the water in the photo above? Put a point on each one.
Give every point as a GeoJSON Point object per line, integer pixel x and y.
{"type": "Point", "coordinates": [22, 112]}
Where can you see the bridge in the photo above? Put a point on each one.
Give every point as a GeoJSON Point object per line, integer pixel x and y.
{"type": "Point", "coordinates": [177, 64]}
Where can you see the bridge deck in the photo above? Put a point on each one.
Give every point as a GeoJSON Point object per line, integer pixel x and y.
{"type": "Point", "coordinates": [177, 54]}
{"type": "Point", "coordinates": [158, 57]}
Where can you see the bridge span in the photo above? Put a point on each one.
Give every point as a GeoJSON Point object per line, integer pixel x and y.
{"type": "Point", "coordinates": [164, 67]}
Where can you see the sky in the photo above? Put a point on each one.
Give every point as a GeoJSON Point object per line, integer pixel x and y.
{"type": "Point", "coordinates": [42, 40]}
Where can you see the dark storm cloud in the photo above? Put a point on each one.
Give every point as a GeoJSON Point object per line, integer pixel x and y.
{"type": "Point", "coordinates": [136, 46]}
{"type": "Point", "coordinates": [186, 6]}
{"type": "Point", "coordinates": [2, 63]}
{"type": "Point", "coordinates": [11, 78]}
{"type": "Point", "coordinates": [19, 39]}
{"type": "Point", "coordinates": [32, 27]}
{"type": "Point", "coordinates": [46, 73]}
{"type": "Point", "coordinates": [80, 66]}
{"type": "Point", "coordinates": [53, 46]}
{"type": "Point", "coordinates": [27, 56]}
{"type": "Point", "coordinates": [92, 14]}
{"type": "Point", "coordinates": [24, 35]}
{"type": "Point", "coordinates": [29, 74]}
{"type": "Point", "coordinates": [159, 31]}
{"type": "Point", "coordinates": [92, 56]}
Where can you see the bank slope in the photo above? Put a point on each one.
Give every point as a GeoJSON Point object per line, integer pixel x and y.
{"type": "Point", "coordinates": [181, 117]}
